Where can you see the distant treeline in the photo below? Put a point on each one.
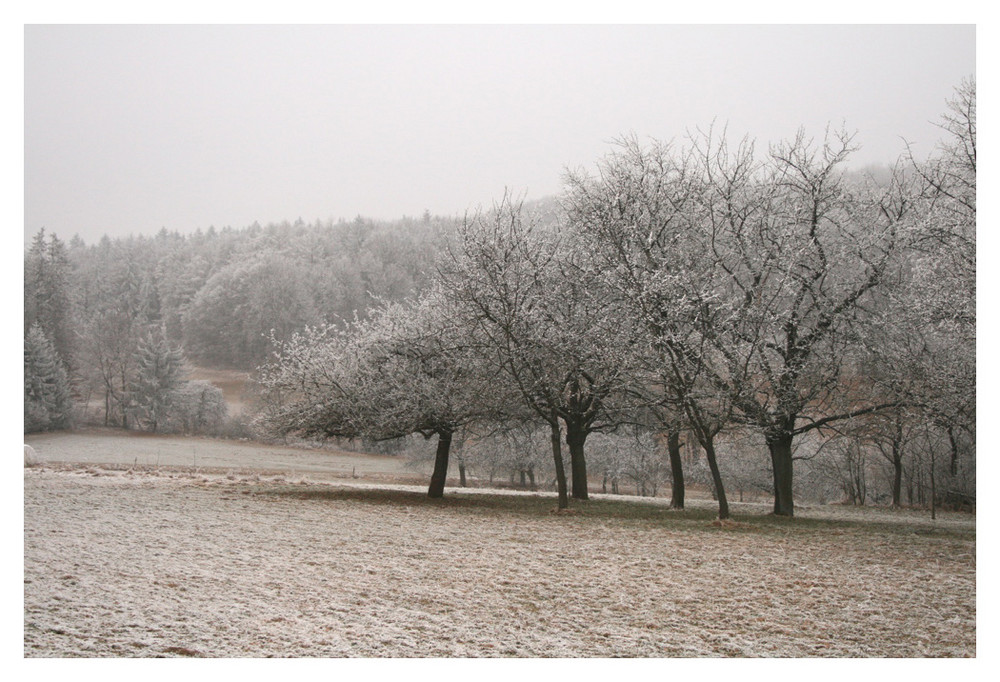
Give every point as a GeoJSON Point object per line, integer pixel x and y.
{"type": "Point", "coordinates": [220, 295]}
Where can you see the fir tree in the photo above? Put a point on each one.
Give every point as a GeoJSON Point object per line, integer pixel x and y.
{"type": "Point", "coordinates": [160, 371]}
{"type": "Point", "coordinates": [47, 401]}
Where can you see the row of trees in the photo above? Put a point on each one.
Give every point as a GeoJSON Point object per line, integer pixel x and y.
{"type": "Point", "coordinates": [687, 290]}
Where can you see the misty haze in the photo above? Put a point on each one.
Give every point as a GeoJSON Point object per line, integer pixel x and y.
{"type": "Point", "coordinates": [500, 341]}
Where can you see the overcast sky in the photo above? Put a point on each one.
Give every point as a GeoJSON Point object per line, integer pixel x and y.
{"type": "Point", "coordinates": [128, 129]}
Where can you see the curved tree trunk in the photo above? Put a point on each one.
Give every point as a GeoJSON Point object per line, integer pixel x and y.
{"type": "Point", "coordinates": [436, 488]}
{"type": "Point", "coordinates": [676, 469]}
{"type": "Point", "coordinates": [575, 439]}
{"type": "Point", "coordinates": [780, 446]}
{"type": "Point", "coordinates": [558, 461]}
{"type": "Point", "coordinates": [720, 491]}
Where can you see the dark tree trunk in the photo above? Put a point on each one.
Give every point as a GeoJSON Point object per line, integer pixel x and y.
{"type": "Point", "coordinates": [897, 475]}
{"type": "Point", "coordinates": [531, 477]}
{"type": "Point", "coordinates": [780, 445]}
{"type": "Point", "coordinates": [604, 483]}
{"type": "Point", "coordinates": [524, 478]}
{"type": "Point", "coordinates": [720, 491]}
{"type": "Point", "coordinates": [558, 462]}
{"type": "Point", "coordinates": [953, 465]}
{"type": "Point", "coordinates": [576, 436]}
{"type": "Point", "coordinates": [676, 470]}
{"type": "Point", "coordinates": [461, 471]}
{"type": "Point", "coordinates": [436, 489]}
{"type": "Point", "coordinates": [933, 489]}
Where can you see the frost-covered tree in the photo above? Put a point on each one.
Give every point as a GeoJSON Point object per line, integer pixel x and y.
{"type": "Point", "coordinates": [47, 400]}
{"type": "Point", "coordinates": [530, 291]}
{"type": "Point", "coordinates": [47, 300]}
{"type": "Point", "coordinates": [941, 300]}
{"type": "Point", "coordinates": [750, 271]}
{"type": "Point", "coordinates": [922, 341]}
{"type": "Point", "coordinates": [117, 306]}
{"type": "Point", "coordinates": [229, 321]}
{"type": "Point", "coordinates": [508, 448]}
{"type": "Point", "coordinates": [197, 407]}
{"type": "Point", "coordinates": [159, 373]}
{"type": "Point", "coordinates": [406, 369]}
{"type": "Point", "coordinates": [636, 457]}
{"type": "Point", "coordinates": [636, 215]}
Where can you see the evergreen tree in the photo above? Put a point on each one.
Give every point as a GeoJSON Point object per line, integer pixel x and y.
{"type": "Point", "coordinates": [47, 401]}
{"type": "Point", "coordinates": [160, 370]}
{"type": "Point", "coordinates": [46, 294]}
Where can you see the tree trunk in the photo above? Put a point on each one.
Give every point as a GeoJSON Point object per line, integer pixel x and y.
{"type": "Point", "coordinates": [436, 489]}
{"type": "Point", "coordinates": [720, 491]}
{"type": "Point", "coordinates": [575, 438]}
{"type": "Point", "coordinates": [531, 477]}
{"type": "Point", "coordinates": [897, 464]}
{"type": "Point", "coordinates": [933, 489]}
{"type": "Point", "coordinates": [461, 471]}
{"type": "Point", "coordinates": [124, 402]}
{"type": "Point", "coordinates": [524, 478]}
{"type": "Point", "coordinates": [897, 476]}
{"type": "Point", "coordinates": [953, 465]}
{"type": "Point", "coordinates": [780, 445]}
{"type": "Point", "coordinates": [676, 470]}
{"type": "Point", "coordinates": [558, 461]}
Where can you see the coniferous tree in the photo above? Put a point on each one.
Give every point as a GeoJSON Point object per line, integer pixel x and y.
{"type": "Point", "coordinates": [46, 294]}
{"type": "Point", "coordinates": [47, 401]}
{"type": "Point", "coordinates": [159, 372]}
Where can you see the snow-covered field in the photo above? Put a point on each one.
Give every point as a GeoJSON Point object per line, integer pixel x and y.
{"type": "Point", "coordinates": [118, 448]}
{"type": "Point", "coordinates": [142, 562]}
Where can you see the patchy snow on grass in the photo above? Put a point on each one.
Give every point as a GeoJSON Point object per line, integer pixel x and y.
{"type": "Point", "coordinates": [123, 563]}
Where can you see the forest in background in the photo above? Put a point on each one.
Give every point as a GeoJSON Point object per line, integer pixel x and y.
{"type": "Point", "coordinates": [115, 314]}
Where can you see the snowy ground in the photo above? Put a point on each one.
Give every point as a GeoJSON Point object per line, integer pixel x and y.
{"type": "Point", "coordinates": [141, 562]}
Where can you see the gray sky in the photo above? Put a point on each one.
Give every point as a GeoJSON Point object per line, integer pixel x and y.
{"type": "Point", "coordinates": [128, 129]}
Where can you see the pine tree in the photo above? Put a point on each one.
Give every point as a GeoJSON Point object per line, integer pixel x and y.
{"type": "Point", "coordinates": [160, 371]}
{"type": "Point", "coordinates": [46, 294]}
{"type": "Point", "coordinates": [47, 400]}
